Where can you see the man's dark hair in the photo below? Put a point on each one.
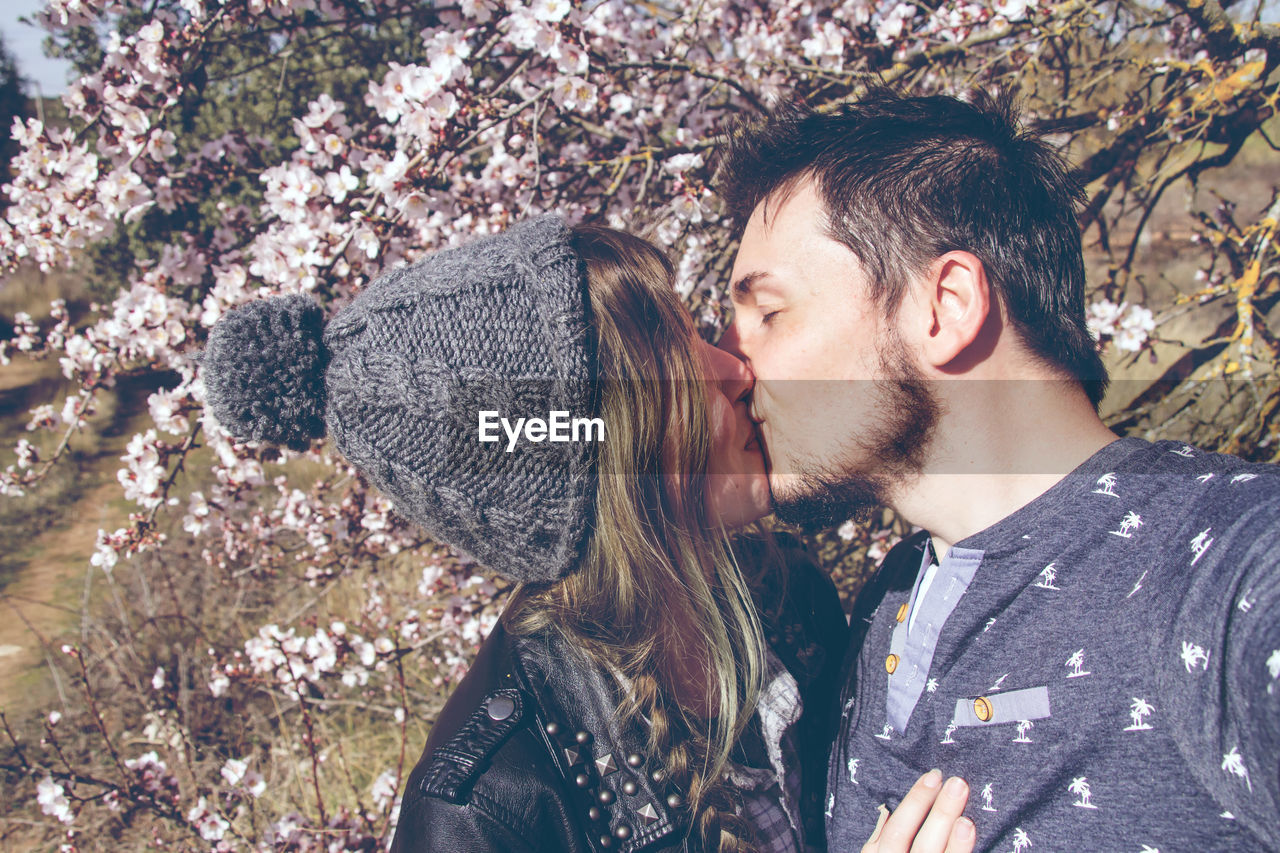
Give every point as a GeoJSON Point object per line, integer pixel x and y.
{"type": "Point", "coordinates": [907, 179]}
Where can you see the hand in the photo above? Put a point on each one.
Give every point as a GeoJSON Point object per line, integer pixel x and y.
{"type": "Point", "coordinates": [928, 820]}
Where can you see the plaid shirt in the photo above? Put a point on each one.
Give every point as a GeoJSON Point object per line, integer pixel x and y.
{"type": "Point", "coordinates": [774, 816]}
{"type": "Point", "coordinates": [771, 796]}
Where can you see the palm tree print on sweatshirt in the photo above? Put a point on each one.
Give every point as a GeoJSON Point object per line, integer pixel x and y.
{"type": "Point", "coordinates": [1020, 840]}
{"type": "Point", "coordinates": [1106, 485]}
{"type": "Point", "coordinates": [1131, 522]}
{"type": "Point", "coordinates": [1200, 544]}
{"type": "Point", "coordinates": [1080, 787]}
{"type": "Point", "coordinates": [1076, 662]}
{"type": "Point", "coordinates": [1139, 711]}
{"type": "Point", "coordinates": [988, 796]}
{"type": "Point", "coordinates": [1193, 656]}
{"type": "Point", "coordinates": [1047, 576]}
{"type": "Point", "coordinates": [1233, 763]}
{"type": "Point", "coordinates": [1023, 726]}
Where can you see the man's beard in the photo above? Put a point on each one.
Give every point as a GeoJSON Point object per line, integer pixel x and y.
{"type": "Point", "coordinates": [827, 494]}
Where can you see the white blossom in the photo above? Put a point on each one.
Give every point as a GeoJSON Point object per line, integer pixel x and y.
{"type": "Point", "coordinates": [894, 24]}
{"type": "Point", "coordinates": [53, 800]}
{"type": "Point", "coordinates": [574, 94]}
{"type": "Point", "coordinates": [210, 825]}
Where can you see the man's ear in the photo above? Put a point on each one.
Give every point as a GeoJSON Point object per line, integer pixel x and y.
{"type": "Point", "coordinates": [955, 303]}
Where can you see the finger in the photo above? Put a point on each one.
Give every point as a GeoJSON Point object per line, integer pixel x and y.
{"type": "Point", "coordinates": [907, 818]}
{"type": "Point", "coordinates": [936, 832]}
{"type": "Point", "coordinates": [964, 835]}
{"type": "Point", "coordinates": [870, 846]}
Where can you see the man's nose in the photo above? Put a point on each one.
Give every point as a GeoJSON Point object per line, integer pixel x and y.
{"type": "Point", "coordinates": [731, 342]}
{"type": "Point", "coordinates": [736, 377]}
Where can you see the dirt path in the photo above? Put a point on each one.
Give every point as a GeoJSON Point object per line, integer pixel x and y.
{"type": "Point", "coordinates": [52, 537]}
{"type": "Point", "coordinates": [45, 598]}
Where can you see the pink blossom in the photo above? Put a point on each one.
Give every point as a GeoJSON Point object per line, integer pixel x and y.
{"type": "Point", "coordinates": [384, 788]}
{"type": "Point", "coordinates": [53, 800]}
{"type": "Point", "coordinates": [1012, 9]}
{"type": "Point", "coordinates": [683, 162]}
{"type": "Point", "coordinates": [892, 26]}
{"type": "Point", "coordinates": [153, 774]}
{"type": "Point", "coordinates": [479, 10]}
{"type": "Point", "coordinates": [550, 11]}
{"type": "Point", "coordinates": [825, 46]}
{"type": "Point", "coordinates": [166, 411]}
{"type": "Point", "coordinates": [211, 825]}
{"type": "Point", "coordinates": [236, 773]}
{"type": "Point", "coordinates": [1125, 324]}
{"type": "Point", "coordinates": [574, 94]}
{"type": "Point", "coordinates": [218, 684]}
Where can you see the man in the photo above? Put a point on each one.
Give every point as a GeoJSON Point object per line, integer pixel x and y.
{"type": "Point", "coordinates": [1085, 628]}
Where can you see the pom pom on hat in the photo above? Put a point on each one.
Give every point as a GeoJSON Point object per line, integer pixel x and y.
{"type": "Point", "coordinates": [263, 369]}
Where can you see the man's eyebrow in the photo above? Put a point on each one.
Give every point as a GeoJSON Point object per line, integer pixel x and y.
{"type": "Point", "coordinates": [742, 287]}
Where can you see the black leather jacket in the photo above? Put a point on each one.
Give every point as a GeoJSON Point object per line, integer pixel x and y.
{"type": "Point", "coordinates": [527, 754]}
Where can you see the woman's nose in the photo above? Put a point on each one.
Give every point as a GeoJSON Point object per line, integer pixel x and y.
{"type": "Point", "coordinates": [730, 342]}
{"type": "Point", "coordinates": [733, 374]}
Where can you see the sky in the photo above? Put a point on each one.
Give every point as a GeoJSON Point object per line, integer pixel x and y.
{"type": "Point", "coordinates": [44, 75]}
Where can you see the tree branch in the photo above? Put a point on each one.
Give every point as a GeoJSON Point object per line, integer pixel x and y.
{"type": "Point", "coordinates": [1225, 36]}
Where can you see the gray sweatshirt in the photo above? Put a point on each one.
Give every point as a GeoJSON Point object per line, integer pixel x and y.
{"type": "Point", "coordinates": [1102, 666]}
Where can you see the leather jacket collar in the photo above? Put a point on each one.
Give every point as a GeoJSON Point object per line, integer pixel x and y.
{"type": "Point", "coordinates": [621, 788]}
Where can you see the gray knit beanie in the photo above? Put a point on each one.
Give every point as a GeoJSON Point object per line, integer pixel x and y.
{"type": "Point", "coordinates": [399, 377]}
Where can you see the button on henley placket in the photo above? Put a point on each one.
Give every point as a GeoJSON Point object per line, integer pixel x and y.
{"type": "Point", "coordinates": [915, 636]}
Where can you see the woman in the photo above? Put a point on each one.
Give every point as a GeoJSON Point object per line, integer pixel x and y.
{"type": "Point", "coordinates": [628, 698]}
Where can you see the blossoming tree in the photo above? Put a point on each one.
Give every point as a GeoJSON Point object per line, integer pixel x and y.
{"type": "Point", "coordinates": [417, 126]}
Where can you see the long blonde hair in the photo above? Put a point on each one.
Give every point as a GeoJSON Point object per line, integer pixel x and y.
{"type": "Point", "coordinates": [658, 585]}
